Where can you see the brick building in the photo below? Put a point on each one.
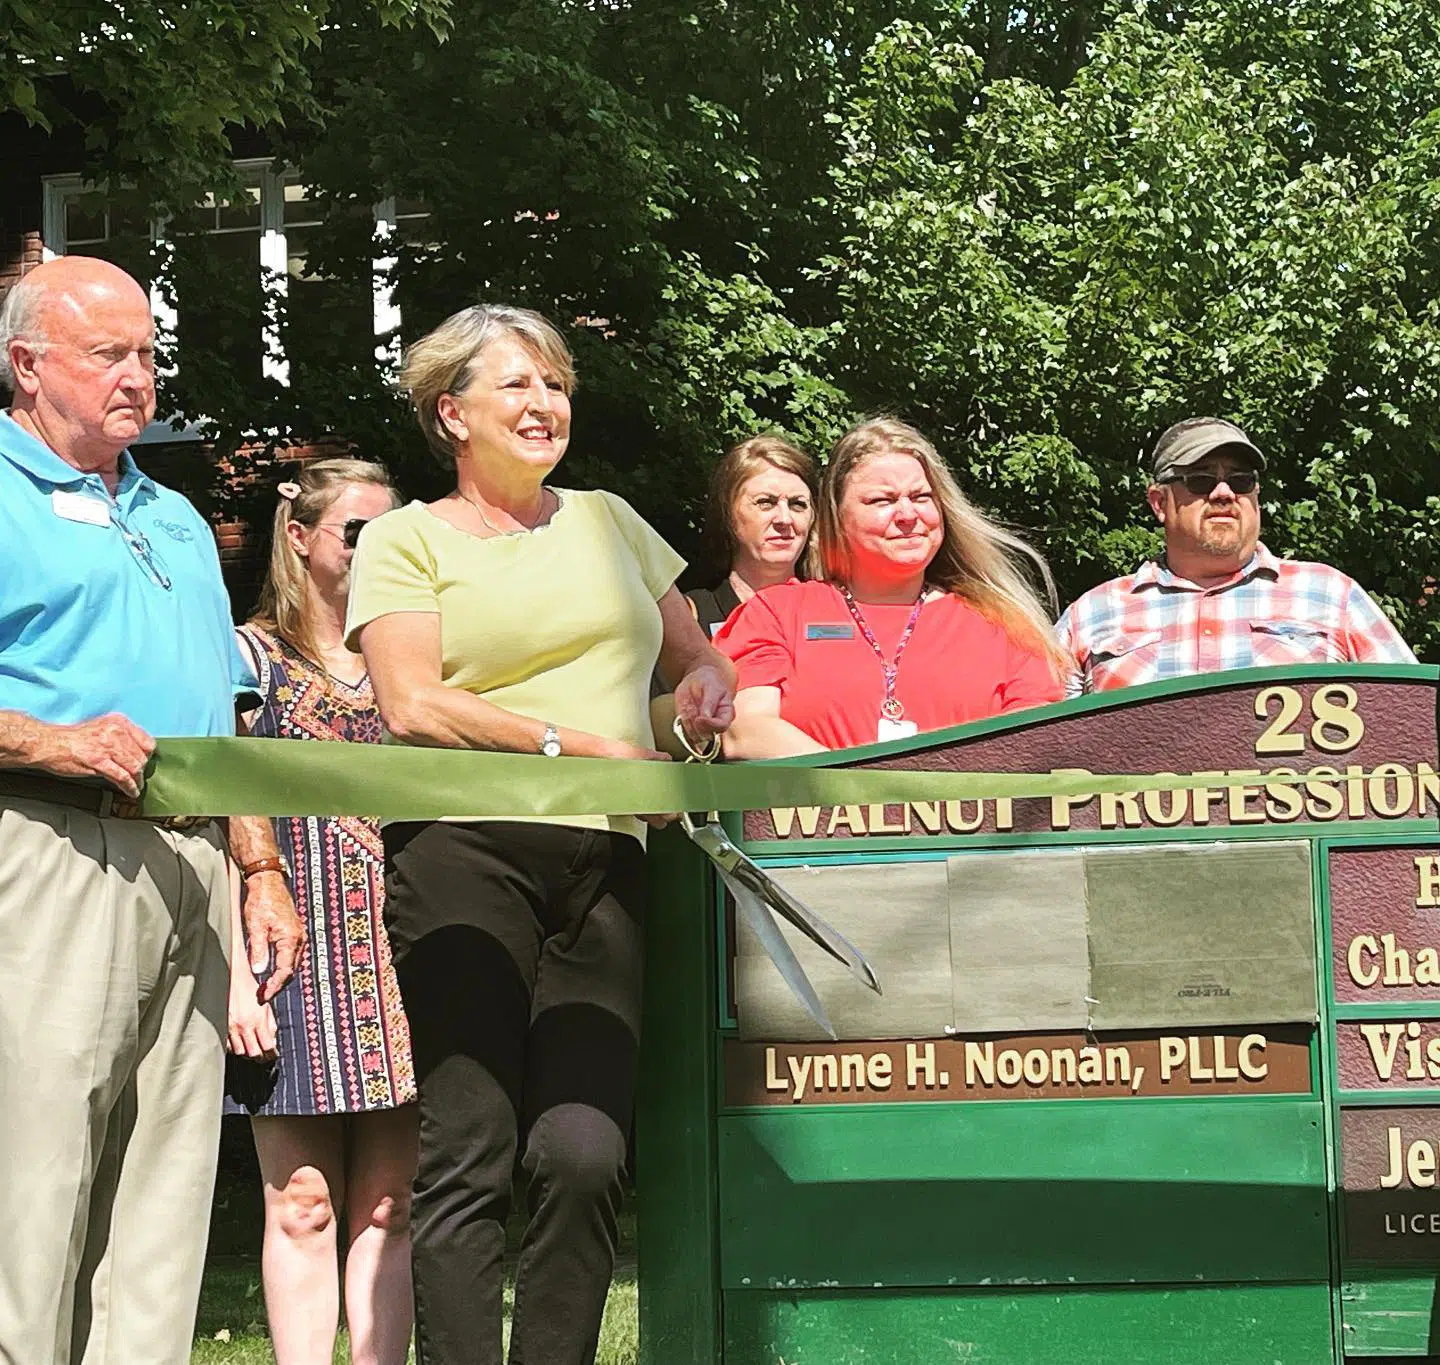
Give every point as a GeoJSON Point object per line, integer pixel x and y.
{"type": "Point", "coordinates": [258, 244]}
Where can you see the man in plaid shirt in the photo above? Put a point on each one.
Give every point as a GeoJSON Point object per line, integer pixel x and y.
{"type": "Point", "coordinates": [1219, 599]}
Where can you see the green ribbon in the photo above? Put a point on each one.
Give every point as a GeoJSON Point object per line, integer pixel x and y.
{"type": "Point", "coordinates": [395, 782]}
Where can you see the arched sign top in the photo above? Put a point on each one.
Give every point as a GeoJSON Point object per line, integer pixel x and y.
{"type": "Point", "coordinates": [1362, 739]}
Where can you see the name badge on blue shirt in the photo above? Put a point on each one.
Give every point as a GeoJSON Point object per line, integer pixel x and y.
{"type": "Point", "coordinates": [825, 630]}
{"type": "Point", "coordinates": [78, 507]}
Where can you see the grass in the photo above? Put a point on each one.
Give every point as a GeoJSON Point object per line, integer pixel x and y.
{"type": "Point", "coordinates": [230, 1328]}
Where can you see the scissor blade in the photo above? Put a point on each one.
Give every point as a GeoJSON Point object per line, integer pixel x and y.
{"type": "Point", "coordinates": [735, 867]}
{"type": "Point", "coordinates": [796, 912]}
{"type": "Point", "coordinates": [757, 916]}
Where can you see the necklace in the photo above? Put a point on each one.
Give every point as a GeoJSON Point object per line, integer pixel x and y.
{"type": "Point", "coordinates": [490, 525]}
{"type": "Point", "coordinates": [890, 708]}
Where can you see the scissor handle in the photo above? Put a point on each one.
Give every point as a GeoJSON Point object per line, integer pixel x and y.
{"type": "Point", "coordinates": [707, 754]}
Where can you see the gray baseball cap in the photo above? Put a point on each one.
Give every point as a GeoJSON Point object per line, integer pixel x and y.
{"type": "Point", "coordinates": [1192, 440]}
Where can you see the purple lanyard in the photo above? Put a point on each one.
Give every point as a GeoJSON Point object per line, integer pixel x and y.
{"type": "Point", "coordinates": [890, 708]}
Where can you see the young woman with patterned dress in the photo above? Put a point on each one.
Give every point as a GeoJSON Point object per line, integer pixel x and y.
{"type": "Point", "coordinates": [326, 1073]}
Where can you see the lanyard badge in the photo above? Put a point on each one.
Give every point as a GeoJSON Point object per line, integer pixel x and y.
{"type": "Point", "coordinates": [759, 898]}
{"type": "Point", "coordinates": [892, 723]}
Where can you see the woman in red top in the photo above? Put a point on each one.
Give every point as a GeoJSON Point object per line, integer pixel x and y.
{"type": "Point", "coordinates": [918, 616]}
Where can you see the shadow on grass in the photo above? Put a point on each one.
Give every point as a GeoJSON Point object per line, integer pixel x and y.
{"type": "Point", "coordinates": [231, 1327]}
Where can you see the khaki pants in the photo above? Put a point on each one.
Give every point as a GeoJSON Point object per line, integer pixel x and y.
{"type": "Point", "coordinates": [113, 989]}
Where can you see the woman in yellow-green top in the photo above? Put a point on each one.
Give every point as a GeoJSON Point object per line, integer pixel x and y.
{"type": "Point", "coordinates": [513, 615]}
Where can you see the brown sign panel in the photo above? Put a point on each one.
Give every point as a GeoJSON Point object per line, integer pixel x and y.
{"type": "Point", "coordinates": [1388, 1160]}
{"type": "Point", "coordinates": [1366, 748]}
{"type": "Point", "coordinates": [1388, 1054]}
{"type": "Point", "coordinates": [1385, 924]}
{"type": "Point", "coordinates": [1254, 1061]}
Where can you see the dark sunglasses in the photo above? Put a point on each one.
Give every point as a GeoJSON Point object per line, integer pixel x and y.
{"type": "Point", "coordinates": [349, 533]}
{"type": "Point", "coordinates": [1201, 484]}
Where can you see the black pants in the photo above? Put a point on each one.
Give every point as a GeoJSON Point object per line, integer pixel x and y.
{"type": "Point", "coordinates": [519, 952]}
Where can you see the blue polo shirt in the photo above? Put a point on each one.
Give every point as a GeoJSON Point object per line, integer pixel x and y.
{"type": "Point", "coordinates": [110, 604]}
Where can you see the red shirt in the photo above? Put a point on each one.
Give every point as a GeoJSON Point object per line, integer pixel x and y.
{"type": "Point", "coordinates": [959, 665]}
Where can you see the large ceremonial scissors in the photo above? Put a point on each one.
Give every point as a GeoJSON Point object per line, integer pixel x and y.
{"type": "Point", "coordinates": [758, 898]}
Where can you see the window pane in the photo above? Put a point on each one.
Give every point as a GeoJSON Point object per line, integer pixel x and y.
{"type": "Point", "coordinates": [304, 207]}
{"type": "Point", "coordinates": [299, 207]}
{"type": "Point", "coordinates": [84, 220]}
{"type": "Point", "coordinates": [243, 212]}
{"type": "Point", "coordinates": [297, 248]}
{"type": "Point", "coordinates": [96, 227]}
{"type": "Point", "coordinates": [128, 221]}
{"type": "Point", "coordinates": [199, 219]}
{"type": "Point", "coordinates": [329, 333]}
{"type": "Point", "coordinates": [221, 306]}
{"type": "Point", "coordinates": [132, 252]}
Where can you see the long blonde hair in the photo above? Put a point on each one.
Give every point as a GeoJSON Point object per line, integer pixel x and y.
{"type": "Point", "coordinates": [283, 599]}
{"type": "Point", "coordinates": [978, 559]}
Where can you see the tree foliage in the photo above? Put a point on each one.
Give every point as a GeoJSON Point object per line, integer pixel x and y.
{"type": "Point", "coordinates": [157, 85]}
{"type": "Point", "coordinates": [1227, 214]}
{"type": "Point", "coordinates": [1041, 233]}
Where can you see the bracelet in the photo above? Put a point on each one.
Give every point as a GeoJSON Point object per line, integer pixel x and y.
{"type": "Point", "coordinates": [264, 865]}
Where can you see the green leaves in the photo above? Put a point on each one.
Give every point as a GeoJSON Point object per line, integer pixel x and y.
{"type": "Point", "coordinates": [158, 87]}
{"type": "Point", "coordinates": [1042, 234]}
{"type": "Point", "coordinates": [1177, 229]}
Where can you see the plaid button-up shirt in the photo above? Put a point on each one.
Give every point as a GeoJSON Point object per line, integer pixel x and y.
{"type": "Point", "coordinates": [1152, 625]}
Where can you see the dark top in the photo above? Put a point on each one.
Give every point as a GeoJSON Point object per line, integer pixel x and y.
{"type": "Point", "coordinates": [712, 609]}
{"type": "Point", "coordinates": [714, 605]}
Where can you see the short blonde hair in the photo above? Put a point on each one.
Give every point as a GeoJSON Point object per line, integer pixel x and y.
{"type": "Point", "coordinates": [739, 464]}
{"type": "Point", "coordinates": [440, 362]}
{"type": "Point", "coordinates": [281, 609]}
{"type": "Point", "coordinates": [978, 559]}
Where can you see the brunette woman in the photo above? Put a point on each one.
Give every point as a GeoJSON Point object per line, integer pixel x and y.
{"type": "Point", "coordinates": [757, 523]}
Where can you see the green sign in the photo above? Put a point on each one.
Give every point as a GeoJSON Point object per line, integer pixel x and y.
{"type": "Point", "coordinates": [1156, 1072]}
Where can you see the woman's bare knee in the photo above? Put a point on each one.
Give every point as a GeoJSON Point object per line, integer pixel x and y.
{"type": "Point", "coordinates": [390, 1214]}
{"type": "Point", "coordinates": [305, 1208]}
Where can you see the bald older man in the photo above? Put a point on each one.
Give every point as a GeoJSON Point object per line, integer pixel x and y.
{"type": "Point", "coordinates": [114, 627]}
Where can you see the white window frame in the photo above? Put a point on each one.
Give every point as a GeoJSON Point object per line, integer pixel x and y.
{"type": "Point", "coordinates": [59, 190]}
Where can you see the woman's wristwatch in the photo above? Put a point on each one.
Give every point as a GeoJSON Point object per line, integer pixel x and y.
{"type": "Point", "coordinates": [550, 742]}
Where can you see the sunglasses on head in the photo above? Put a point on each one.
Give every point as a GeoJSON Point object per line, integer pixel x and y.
{"type": "Point", "coordinates": [1202, 484]}
{"type": "Point", "coordinates": [349, 532]}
